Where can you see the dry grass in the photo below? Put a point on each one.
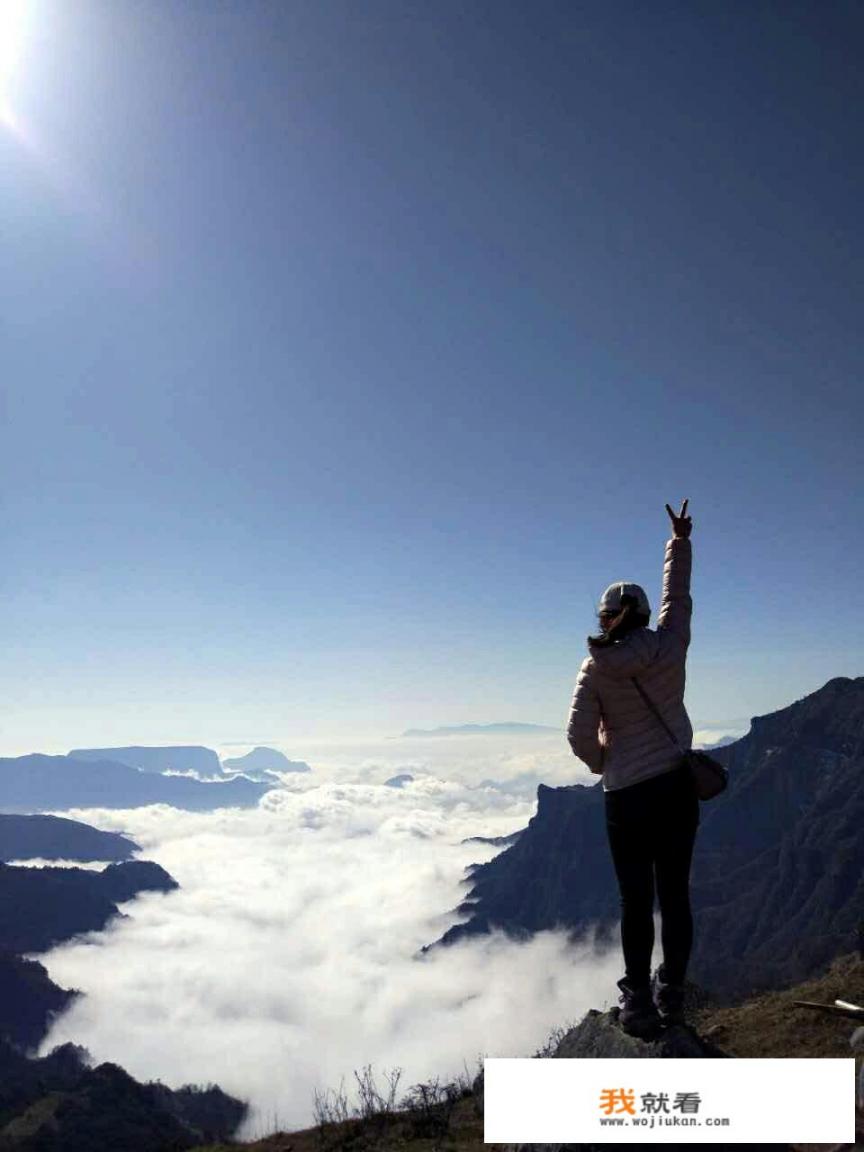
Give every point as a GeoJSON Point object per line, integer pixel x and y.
{"type": "Point", "coordinates": [768, 1025]}
{"type": "Point", "coordinates": [771, 1025]}
{"type": "Point", "coordinates": [465, 1133]}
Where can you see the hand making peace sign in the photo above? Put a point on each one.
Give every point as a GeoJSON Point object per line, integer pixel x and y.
{"type": "Point", "coordinates": [681, 524]}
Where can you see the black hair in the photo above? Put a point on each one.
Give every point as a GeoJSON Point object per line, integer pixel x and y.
{"type": "Point", "coordinates": [630, 621]}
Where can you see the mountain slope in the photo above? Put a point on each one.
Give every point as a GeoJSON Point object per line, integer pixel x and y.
{"type": "Point", "coordinates": [778, 871]}
{"type": "Point", "coordinates": [41, 907]}
{"type": "Point", "coordinates": [59, 1104]}
{"type": "Point", "coordinates": [29, 1000]}
{"type": "Point", "coordinates": [766, 1026]}
{"type": "Point", "coordinates": [56, 838]}
{"type": "Point", "coordinates": [56, 782]}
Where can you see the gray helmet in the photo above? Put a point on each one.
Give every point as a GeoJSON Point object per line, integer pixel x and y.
{"type": "Point", "coordinates": [610, 601]}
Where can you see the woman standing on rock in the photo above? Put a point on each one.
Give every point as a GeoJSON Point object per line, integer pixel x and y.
{"type": "Point", "coordinates": [652, 809]}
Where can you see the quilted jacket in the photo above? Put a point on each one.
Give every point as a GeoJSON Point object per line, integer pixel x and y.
{"type": "Point", "coordinates": [611, 727]}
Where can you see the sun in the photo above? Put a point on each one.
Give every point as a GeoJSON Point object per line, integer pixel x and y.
{"type": "Point", "coordinates": [13, 26]}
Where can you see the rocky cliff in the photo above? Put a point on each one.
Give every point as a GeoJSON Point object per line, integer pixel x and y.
{"type": "Point", "coordinates": [778, 872]}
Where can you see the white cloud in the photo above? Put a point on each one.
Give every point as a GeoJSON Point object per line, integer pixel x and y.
{"type": "Point", "coordinates": [286, 960]}
{"type": "Point", "coordinates": [712, 735]}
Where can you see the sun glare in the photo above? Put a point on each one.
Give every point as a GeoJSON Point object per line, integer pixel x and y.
{"type": "Point", "coordinates": [13, 21]}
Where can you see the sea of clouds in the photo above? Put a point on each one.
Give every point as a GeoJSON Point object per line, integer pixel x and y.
{"type": "Point", "coordinates": [288, 960]}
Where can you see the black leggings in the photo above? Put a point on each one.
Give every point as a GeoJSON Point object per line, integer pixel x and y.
{"type": "Point", "coordinates": [652, 828]}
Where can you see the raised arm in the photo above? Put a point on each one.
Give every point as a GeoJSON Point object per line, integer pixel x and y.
{"type": "Point", "coordinates": [676, 605]}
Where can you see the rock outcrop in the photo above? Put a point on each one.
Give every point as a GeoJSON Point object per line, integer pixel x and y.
{"type": "Point", "coordinates": [399, 781]}
{"type": "Point", "coordinates": [599, 1036]}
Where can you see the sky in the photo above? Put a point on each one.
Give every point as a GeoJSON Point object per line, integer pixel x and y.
{"type": "Point", "coordinates": [350, 351]}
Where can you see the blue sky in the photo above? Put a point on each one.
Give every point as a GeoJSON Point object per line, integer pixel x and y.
{"type": "Point", "coordinates": [349, 352]}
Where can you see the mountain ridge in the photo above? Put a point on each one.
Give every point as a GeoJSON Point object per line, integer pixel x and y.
{"type": "Point", "coordinates": [58, 1102]}
{"type": "Point", "coordinates": [48, 837]}
{"type": "Point", "coordinates": [157, 758]}
{"type": "Point", "coordinates": [777, 883]}
{"type": "Point", "coordinates": [504, 728]}
{"type": "Point", "coordinates": [38, 781]}
{"type": "Point", "coordinates": [43, 907]}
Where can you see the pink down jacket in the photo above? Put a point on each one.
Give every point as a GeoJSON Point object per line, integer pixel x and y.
{"type": "Point", "coordinates": [611, 727]}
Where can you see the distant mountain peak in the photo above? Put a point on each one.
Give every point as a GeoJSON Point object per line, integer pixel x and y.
{"type": "Point", "coordinates": [266, 761]}
{"type": "Point", "coordinates": [38, 782]}
{"type": "Point", "coordinates": [157, 758]}
{"type": "Point", "coordinates": [506, 728]}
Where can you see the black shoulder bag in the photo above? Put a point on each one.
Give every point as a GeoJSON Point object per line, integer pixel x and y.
{"type": "Point", "coordinates": [709, 775]}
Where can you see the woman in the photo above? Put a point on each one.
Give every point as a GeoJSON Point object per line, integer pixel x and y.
{"type": "Point", "coordinates": [652, 810]}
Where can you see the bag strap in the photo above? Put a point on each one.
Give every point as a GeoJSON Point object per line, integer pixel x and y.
{"type": "Point", "coordinates": [653, 708]}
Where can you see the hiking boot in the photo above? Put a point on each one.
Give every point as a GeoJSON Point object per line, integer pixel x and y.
{"type": "Point", "coordinates": [669, 998]}
{"type": "Point", "coordinates": [638, 1014]}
